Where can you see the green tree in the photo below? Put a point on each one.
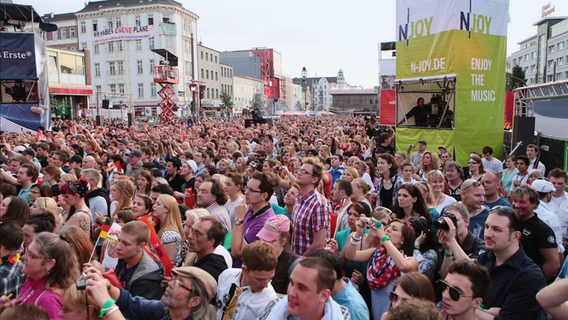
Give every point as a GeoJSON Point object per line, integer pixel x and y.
{"type": "Point", "coordinates": [298, 105]}
{"type": "Point", "coordinates": [226, 100]}
{"type": "Point", "coordinates": [516, 79]}
{"type": "Point", "coordinates": [257, 101]}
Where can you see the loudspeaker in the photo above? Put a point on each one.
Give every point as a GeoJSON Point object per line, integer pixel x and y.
{"type": "Point", "coordinates": [523, 130]}
{"type": "Point", "coordinates": [99, 120]}
{"type": "Point", "coordinates": [129, 119]}
{"type": "Point", "coordinates": [250, 122]}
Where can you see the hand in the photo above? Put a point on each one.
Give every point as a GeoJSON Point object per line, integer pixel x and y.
{"type": "Point", "coordinates": [241, 210]}
{"type": "Point", "coordinates": [357, 277]}
{"type": "Point", "coordinates": [421, 239]}
{"type": "Point", "coordinates": [99, 218]}
{"type": "Point", "coordinates": [6, 303]}
{"type": "Point", "coordinates": [97, 287]}
{"type": "Point", "coordinates": [377, 232]}
{"type": "Point", "coordinates": [443, 239]}
{"type": "Point", "coordinates": [360, 226]}
{"type": "Point", "coordinates": [452, 228]}
{"type": "Point", "coordinates": [332, 245]}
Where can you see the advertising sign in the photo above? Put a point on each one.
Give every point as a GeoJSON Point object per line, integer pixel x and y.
{"type": "Point", "coordinates": [123, 33]}
{"type": "Point", "coordinates": [17, 56]}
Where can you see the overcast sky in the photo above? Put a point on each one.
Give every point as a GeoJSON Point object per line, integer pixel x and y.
{"type": "Point", "coordinates": [323, 36]}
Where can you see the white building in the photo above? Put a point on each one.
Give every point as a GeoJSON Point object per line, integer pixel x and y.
{"type": "Point", "coordinates": [245, 88]}
{"type": "Point", "coordinates": [544, 56]}
{"type": "Point", "coordinates": [322, 98]}
{"type": "Point", "coordinates": [121, 35]}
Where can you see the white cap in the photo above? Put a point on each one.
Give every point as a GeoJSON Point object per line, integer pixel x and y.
{"type": "Point", "coordinates": [192, 164]}
{"type": "Point", "coordinates": [543, 186]}
{"type": "Point", "coordinates": [19, 149]}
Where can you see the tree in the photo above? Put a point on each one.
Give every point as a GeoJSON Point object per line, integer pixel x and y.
{"type": "Point", "coordinates": [226, 100]}
{"type": "Point", "coordinates": [516, 79]}
{"type": "Point", "coordinates": [298, 105]}
{"type": "Point", "coordinates": [257, 101]}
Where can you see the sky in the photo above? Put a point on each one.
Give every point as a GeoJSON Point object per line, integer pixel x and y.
{"type": "Point", "coordinates": [323, 36]}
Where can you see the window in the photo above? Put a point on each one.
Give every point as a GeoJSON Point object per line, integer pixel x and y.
{"type": "Point", "coordinates": [150, 19]}
{"type": "Point", "coordinates": [217, 93]}
{"type": "Point", "coordinates": [533, 68]}
{"type": "Point", "coordinates": [550, 63]}
{"type": "Point", "coordinates": [216, 76]}
{"type": "Point", "coordinates": [208, 95]}
{"type": "Point", "coordinates": [109, 23]}
{"type": "Point", "coordinates": [207, 74]}
{"type": "Point", "coordinates": [118, 22]}
{"type": "Point", "coordinates": [83, 46]}
{"type": "Point", "coordinates": [560, 45]}
{"type": "Point", "coordinates": [138, 45]}
{"type": "Point", "coordinates": [201, 55]}
{"type": "Point", "coordinates": [152, 65]}
{"type": "Point", "coordinates": [215, 59]}
{"type": "Point", "coordinates": [119, 45]}
{"type": "Point", "coordinates": [202, 74]}
{"type": "Point", "coordinates": [169, 42]}
{"type": "Point", "coordinates": [83, 27]}
{"type": "Point", "coordinates": [166, 18]}
{"type": "Point", "coordinates": [97, 69]}
{"type": "Point", "coordinates": [94, 25]}
{"type": "Point", "coordinates": [206, 56]}
{"type": "Point", "coordinates": [151, 43]}
{"type": "Point", "coordinates": [55, 35]}
{"type": "Point", "coordinates": [527, 57]}
{"type": "Point", "coordinates": [153, 90]}
{"type": "Point", "coordinates": [137, 20]}
{"type": "Point", "coordinates": [121, 88]}
{"type": "Point", "coordinates": [111, 68]}
{"type": "Point", "coordinates": [71, 32]}
{"type": "Point", "coordinates": [139, 67]}
{"type": "Point", "coordinates": [140, 90]}
{"type": "Point", "coordinates": [98, 88]}
{"type": "Point", "coordinates": [120, 67]}
{"type": "Point", "coordinates": [551, 49]}
{"type": "Point", "coordinates": [112, 87]}
{"type": "Point", "coordinates": [560, 61]}
{"type": "Point", "coordinates": [110, 47]}
{"type": "Point", "coordinates": [96, 48]}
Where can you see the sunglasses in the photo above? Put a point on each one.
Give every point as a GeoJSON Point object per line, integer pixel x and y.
{"type": "Point", "coordinates": [475, 184]}
{"type": "Point", "coordinates": [393, 297]}
{"type": "Point", "coordinates": [455, 294]}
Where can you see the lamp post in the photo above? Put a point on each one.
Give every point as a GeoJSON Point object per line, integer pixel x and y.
{"type": "Point", "coordinates": [193, 88]}
{"type": "Point", "coordinates": [304, 74]}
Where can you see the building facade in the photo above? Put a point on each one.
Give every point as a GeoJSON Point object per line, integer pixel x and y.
{"type": "Point", "coordinates": [217, 77]}
{"type": "Point", "coordinates": [352, 99]}
{"type": "Point", "coordinates": [245, 90]}
{"type": "Point", "coordinates": [65, 37]}
{"type": "Point", "coordinates": [544, 56]}
{"type": "Point", "coordinates": [121, 37]}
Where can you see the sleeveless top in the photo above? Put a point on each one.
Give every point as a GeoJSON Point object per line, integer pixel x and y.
{"type": "Point", "coordinates": [109, 262]}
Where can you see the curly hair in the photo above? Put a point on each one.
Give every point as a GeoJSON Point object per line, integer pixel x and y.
{"type": "Point", "coordinates": [125, 188]}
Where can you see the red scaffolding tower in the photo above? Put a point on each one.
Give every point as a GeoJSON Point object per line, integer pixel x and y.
{"type": "Point", "coordinates": [166, 75]}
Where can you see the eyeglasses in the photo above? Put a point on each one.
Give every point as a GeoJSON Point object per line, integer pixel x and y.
{"type": "Point", "coordinates": [192, 233]}
{"type": "Point", "coordinates": [179, 284]}
{"type": "Point", "coordinates": [302, 171]}
{"type": "Point", "coordinates": [472, 162]}
{"type": "Point", "coordinates": [35, 192]}
{"type": "Point", "coordinates": [504, 209]}
{"type": "Point", "coordinates": [475, 184]}
{"type": "Point", "coordinates": [252, 190]}
{"type": "Point", "coordinates": [455, 294]}
{"type": "Point", "coordinates": [32, 256]}
{"type": "Point", "coordinates": [393, 297]}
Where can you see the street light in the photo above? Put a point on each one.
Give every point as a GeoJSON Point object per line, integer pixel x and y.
{"type": "Point", "coordinates": [193, 88]}
{"type": "Point", "coordinates": [304, 74]}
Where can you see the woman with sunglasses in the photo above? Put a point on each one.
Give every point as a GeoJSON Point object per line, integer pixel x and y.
{"type": "Point", "coordinates": [385, 262]}
{"type": "Point", "coordinates": [52, 267]}
{"type": "Point", "coordinates": [412, 285]}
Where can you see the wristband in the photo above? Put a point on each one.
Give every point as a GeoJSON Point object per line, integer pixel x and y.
{"type": "Point", "coordinates": [385, 239]}
{"type": "Point", "coordinates": [448, 255]}
{"type": "Point", "coordinates": [416, 246]}
{"type": "Point", "coordinates": [354, 241]}
{"type": "Point", "coordinates": [106, 306]}
{"type": "Point", "coordinates": [111, 311]}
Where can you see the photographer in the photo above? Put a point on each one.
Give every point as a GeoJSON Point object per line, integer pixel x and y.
{"type": "Point", "coordinates": [453, 234]}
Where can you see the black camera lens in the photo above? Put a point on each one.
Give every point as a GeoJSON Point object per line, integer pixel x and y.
{"type": "Point", "coordinates": [441, 224]}
{"type": "Point", "coordinates": [81, 284]}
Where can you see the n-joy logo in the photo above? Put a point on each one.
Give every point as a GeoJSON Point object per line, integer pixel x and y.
{"type": "Point", "coordinates": [418, 28]}
{"type": "Point", "coordinates": [479, 23]}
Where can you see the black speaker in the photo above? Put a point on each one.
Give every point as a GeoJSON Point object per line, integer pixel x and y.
{"type": "Point", "coordinates": [129, 119]}
{"type": "Point", "coordinates": [99, 120]}
{"type": "Point", "coordinates": [523, 130]}
{"type": "Point", "coordinates": [250, 122]}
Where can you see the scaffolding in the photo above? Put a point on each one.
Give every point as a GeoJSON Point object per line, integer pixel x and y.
{"type": "Point", "coordinates": [166, 75]}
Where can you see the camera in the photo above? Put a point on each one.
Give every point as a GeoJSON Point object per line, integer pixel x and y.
{"type": "Point", "coordinates": [279, 168]}
{"type": "Point", "coordinates": [442, 224]}
{"type": "Point", "coordinates": [81, 284]}
{"type": "Point", "coordinates": [367, 222]}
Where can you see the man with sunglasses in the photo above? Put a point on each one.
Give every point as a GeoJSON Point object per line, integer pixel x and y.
{"type": "Point", "coordinates": [464, 289]}
{"type": "Point", "coordinates": [515, 278]}
{"type": "Point", "coordinates": [472, 197]}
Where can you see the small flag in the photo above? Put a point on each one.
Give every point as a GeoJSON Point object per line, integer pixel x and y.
{"type": "Point", "coordinates": [118, 166]}
{"type": "Point", "coordinates": [110, 231]}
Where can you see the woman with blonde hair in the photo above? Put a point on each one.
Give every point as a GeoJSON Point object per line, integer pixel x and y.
{"type": "Point", "coordinates": [166, 209]}
{"type": "Point", "coordinates": [74, 304]}
{"type": "Point", "coordinates": [428, 162]}
{"type": "Point", "coordinates": [121, 193]}
{"type": "Point", "coordinates": [158, 181]}
{"type": "Point", "coordinates": [43, 205]}
{"type": "Point", "coordinates": [350, 174]}
{"type": "Point", "coordinates": [437, 184]}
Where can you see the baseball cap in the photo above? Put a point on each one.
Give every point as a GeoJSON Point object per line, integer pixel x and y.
{"type": "Point", "coordinates": [123, 141]}
{"type": "Point", "coordinates": [443, 147]}
{"type": "Point", "coordinates": [423, 142]}
{"type": "Point", "coordinates": [29, 151]}
{"type": "Point", "coordinates": [274, 227]}
{"type": "Point", "coordinates": [192, 164]}
{"type": "Point", "coordinates": [543, 186]}
{"type": "Point", "coordinates": [19, 149]}
{"type": "Point", "coordinates": [176, 162]}
{"type": "Point", "coordinates": [135, 153]}
{"type": "Point", "coordinates": [148, 165]}
{"type": "Point", "coordinates": [203, 277]}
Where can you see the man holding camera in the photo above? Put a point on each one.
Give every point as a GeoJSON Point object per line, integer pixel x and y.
{"type": "Point", "coordinates": [454, 233]}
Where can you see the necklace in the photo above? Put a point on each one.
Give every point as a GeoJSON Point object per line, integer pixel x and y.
{"type": "Point", "coordinates": [439, 200]}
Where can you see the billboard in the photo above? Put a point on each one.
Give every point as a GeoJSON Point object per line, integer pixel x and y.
{"type": "Point", "coordinates": [123, 33]}
{"type": "Point", "coordinates": [17, 56]}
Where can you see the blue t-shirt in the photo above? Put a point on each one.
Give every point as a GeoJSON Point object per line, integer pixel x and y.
{"type": "Point", "coordinates": [564, 271]}
{"type": "Point", "coordinates": [477, 223]}
{"type": "Point", "coordinates": [500, 202]}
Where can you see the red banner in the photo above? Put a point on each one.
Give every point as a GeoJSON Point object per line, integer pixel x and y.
{"type": "Point", "coordinates": [157, 247]}
{"type": "Point", "coordinates": [388, 107]}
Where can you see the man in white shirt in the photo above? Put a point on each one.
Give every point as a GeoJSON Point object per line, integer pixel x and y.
{"type": "Point", "coordinates": [545, 189]}
{"type": "Point", "coordinates": [491, 164]}
{"type": "Point", "coordinates": [559, 201]}
{"type": "Point", "coordinates": [532, 152]}
{"type": "Point", "coordinates": [244, 292]}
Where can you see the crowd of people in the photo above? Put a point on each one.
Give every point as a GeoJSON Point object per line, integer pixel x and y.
{"type": "Point", "coordinates": [303, 218]}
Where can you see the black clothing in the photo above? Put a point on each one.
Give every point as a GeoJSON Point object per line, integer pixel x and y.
{"type": "Point", "coordinates": [281, 276]}
{"type": "Point", "coordinates": [99, 192]}
{"type": "Point", "coordinates": [213, 263]}
{"type": "Point", "coordinates": [420, 115]}
{"type": "Point", "coordinates": [176, 183]}
{"type": "Point", "coordinates": [146, 281]}
{"type": "Point", "coordinates": [537, 235]}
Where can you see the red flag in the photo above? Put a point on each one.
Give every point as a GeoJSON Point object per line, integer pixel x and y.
{"type": "Point", "coordinates": [158, 247]}
{"type": "Point", "coordinates": [118, 166]}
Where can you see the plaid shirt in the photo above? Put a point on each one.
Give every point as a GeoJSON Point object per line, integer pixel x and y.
{"type": "Point", "coordinates": [11, 275]}
{"type": "Point", "coordinates": [311, 214]}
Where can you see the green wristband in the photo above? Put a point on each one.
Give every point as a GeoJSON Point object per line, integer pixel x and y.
{"type": "Point", "coordinates": [448, 255]}
{"type": "Point", "coordinates": [385, 239]}
{"type": "Point", "coordinates": [106, 306]}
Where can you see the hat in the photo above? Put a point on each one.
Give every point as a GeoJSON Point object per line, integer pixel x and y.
{"type": "Point", "coordinates": [123, 141]}
{"type": "Point", "coordinates": [76, 158]}
{"type": "Point", "coordinates": [203, 277]}
{"type": "Point", "coordinates": [273, 227]}
{"type": "Point", "coordinates": [175, 161]}
{"type": "Point", "coordinates": [443, 147]}
{"type": "Point", "coordinates": [192, 164]}
{"type": "Point", "coordinates": [543, 186]}
{"type": "Point", "coordinates": [423, 142]}
{"type": "Point", "coordinates": [19, 149]}
{"type": "Point", "coordinates": [29, 151]}
{"type": "Point", "coordinates": [135, 153]}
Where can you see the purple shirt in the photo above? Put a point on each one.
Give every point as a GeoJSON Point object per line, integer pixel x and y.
{"type": "Point", "coordinates": [33, 292]}
{"type": "Point", "coordinates": [252, 224]}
